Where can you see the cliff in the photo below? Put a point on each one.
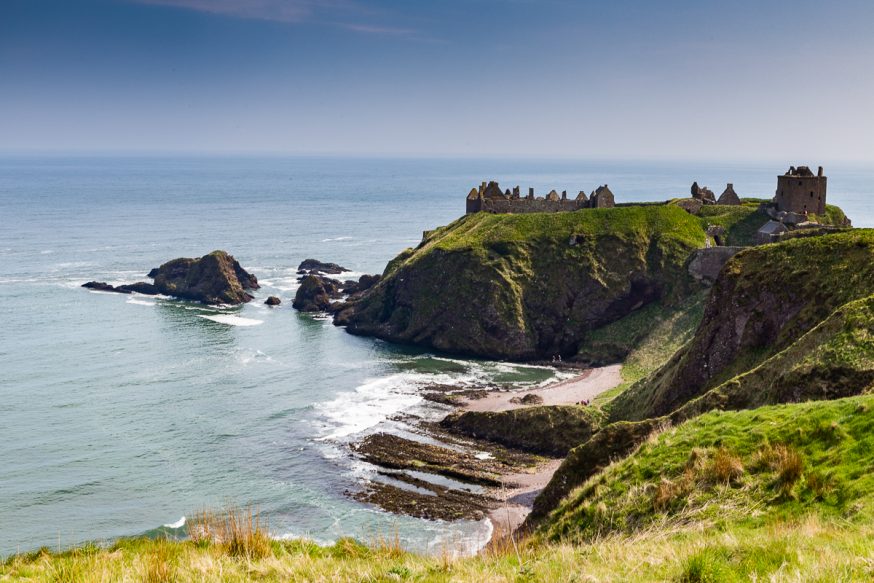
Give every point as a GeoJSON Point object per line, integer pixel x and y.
{"type": "Point", "coordinates": [777, 307]}
{"type": "Point", "coordinates": [532, 286]}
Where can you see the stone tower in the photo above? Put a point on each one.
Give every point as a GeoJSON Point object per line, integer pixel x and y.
{"type": "Point", "coordinates": [799, 190]}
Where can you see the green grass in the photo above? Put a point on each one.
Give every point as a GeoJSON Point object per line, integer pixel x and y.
{"type": "Point", "coordinates": [727, 470]}
{"type": "Point", "coordinates": [643, 341]}
{"type": "Point", "coordinates": [485, 230]}
{"type": "Point", "coordinates": [740, 222]}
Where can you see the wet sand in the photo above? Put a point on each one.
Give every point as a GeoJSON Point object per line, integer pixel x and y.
{"type": "Point", "coordinates": [586, 386]}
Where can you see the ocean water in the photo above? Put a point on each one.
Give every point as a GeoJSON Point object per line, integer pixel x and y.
{"type": "Point", "coordinates": [120, 415]}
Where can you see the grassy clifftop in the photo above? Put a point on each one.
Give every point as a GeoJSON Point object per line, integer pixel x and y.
{"type": "Point", "coordinates": [530, 286]}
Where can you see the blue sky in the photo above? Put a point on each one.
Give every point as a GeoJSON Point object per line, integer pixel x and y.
{"type": "Point", "coordinates": [699, 79]}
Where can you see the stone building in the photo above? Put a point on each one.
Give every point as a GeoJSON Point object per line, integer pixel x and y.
{"type": "Point", "coordinates": [770, 232]}
{"type": "Point", "coordinates": [728, 196]}
{"type": "Point", "coordinates": [489, 198]}
{"type": "Point", "coordinates": [703, 194]}
{"type": "Point", "coordinates": [799, 191]}
{"type": "Point", "coordinates": [602, 197]}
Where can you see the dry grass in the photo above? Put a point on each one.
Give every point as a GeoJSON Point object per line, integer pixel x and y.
{"type": "Point", "coordinates": [725, 466]}
{"type": "Point", "coordinates": [788, 464]}
{"type": "Point", "coordinates": [807, 550]}
{"type": "Point", "coordinates": [239, 531]}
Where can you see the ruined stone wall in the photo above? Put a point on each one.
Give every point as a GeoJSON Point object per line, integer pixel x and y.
{"type": "Point", "coordinates": [796, 194]}
{"type": "Point", "coordinates": [523, 205]}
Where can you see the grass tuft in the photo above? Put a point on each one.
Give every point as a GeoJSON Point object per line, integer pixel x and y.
{"type": "Point", "coordinates": [237, 531]}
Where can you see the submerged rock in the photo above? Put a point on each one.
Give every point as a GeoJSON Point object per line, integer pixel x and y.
{"type": "Point", "coordinates": [272, 301]}
{"type": "Point", "coordinates": [140, 287]}
{"type": "Point", "coordinates": [103, 286]}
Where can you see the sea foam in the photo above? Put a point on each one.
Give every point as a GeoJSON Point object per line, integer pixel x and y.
{"type": "Point", "coordinates": [231, 320]}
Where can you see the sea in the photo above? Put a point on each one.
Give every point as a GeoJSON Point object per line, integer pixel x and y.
{"type": "Point", "coordinates": [123, 415]}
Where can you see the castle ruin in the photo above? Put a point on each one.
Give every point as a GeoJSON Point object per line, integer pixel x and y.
{"type": "Point", "coordinates": [489, 198]}
{"type": "Point", "coordinates": [799, 191]}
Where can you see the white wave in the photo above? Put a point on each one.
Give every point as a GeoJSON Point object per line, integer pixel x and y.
{"type": "Point", "coordinates": [134, 300]}
{"type": "Point", "coordinates": [328, 240]}
{"type": "Point", "coordinates": [46, 252]}
{"type": "Point", "coordinates": [368, 405]}
{"type": "Point", "coordinates": [178, 524]}
{"type": "Point", "coordinates": [232, 320]}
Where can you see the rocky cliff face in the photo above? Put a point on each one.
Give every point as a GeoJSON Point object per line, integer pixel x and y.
{"type": "Point", "coordinates": [216, 278]}
{"type": "Point", "coordinates": [765, 301]}
{"type": "Point", "coordinates": [528, 286]}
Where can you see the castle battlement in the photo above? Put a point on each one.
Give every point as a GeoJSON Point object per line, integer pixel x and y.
{"type": "Point", "coordinates": [489, 198]}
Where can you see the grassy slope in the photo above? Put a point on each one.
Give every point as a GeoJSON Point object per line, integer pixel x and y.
{"type": "Point", "coordinates": [740, 222]}
{"type": "Point", "coordinates": [728, 469]}
{"type": "Point", "coordinates": [779, 293]}
{"type": "Point", "coordinates": [644, 341]}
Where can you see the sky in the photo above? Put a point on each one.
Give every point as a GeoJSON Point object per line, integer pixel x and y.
{"type": "Point", "coordinates": [676, 79]}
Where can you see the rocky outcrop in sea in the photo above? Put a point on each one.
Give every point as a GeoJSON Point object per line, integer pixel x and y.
{"type": "Point", "coordinates": [216, 278]}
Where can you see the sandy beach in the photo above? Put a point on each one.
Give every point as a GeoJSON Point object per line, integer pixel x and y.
{"type": "Point", "coordinates": [585, 386]}
{"type": "Point", "coordinates": [517, 501]}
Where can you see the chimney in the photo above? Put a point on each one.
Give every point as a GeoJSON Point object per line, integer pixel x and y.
{"type": "Point", "coordinates": [530, 193]}
{"type": "Point", "coordinates": [564, 194]}
{"type": "Point", "coordinates": [819, 173]}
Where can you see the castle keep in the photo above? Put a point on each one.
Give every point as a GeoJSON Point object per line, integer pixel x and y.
{"type": "Point", "coordinates": [799, 191]}
{"type": "Point", "coordinates": [490, 199]}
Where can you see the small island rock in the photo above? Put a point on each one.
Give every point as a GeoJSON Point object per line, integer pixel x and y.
{"type": "Point", "coordinates": [216, 278]}
{"type": "Point", "coordinates": [312, 266]}
{"type": "Point", "coordinates": [315, 294]}
{"type": "Point", "coordinates": [272, 301]}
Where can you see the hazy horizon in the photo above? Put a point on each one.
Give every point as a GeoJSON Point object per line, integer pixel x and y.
{"type": "Point", "coordinates": [776, 81]}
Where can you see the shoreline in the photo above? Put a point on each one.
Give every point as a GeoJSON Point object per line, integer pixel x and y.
{"type": "Point", "coordinates": [424, 476]}
{"type": "Point", "coordinates": [585, 386]}
{"type": "Point", "coordinates": [518, 501]}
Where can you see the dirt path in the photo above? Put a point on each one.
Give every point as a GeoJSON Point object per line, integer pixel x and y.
{"type": "Point", "coordinates": [517, 502]}
{"type": "Point", "coordinates": [586, 386]}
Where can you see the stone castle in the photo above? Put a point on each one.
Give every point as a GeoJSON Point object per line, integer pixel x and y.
{"type": "Point", "coordinates": [490, 198]}
{"type": "Point", "coordinates": [799, 191]}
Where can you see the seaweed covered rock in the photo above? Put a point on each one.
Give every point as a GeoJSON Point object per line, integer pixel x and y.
{"type": "Point", "coordinates": [512, 286]}
{"type": "Point", "coordinates": [216, 278]}
{"type": "Point", "coordinates": [315, 294]}
{"type": "Point", "coordinates": [549, 430]}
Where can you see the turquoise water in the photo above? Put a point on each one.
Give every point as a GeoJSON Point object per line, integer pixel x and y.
{"type": "Point", "coordinates": [121, 414]}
